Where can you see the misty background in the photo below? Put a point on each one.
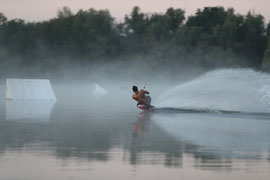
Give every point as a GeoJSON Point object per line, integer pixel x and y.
{"type": "Point", "coordinates": [91, 44]}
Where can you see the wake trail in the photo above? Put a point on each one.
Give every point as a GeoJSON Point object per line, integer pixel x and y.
{"type": "Point", "coordinates": [224, 91]}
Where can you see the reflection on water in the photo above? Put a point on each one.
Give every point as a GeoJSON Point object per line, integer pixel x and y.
{"type": "Point", "coordinates": [141, 126]}
{"type": "Point", "coordinates": [80, 143]}
{"type": "Point", "coordinates": [29, 110]}
{"type": "Point", "coordinates": [232, 133]}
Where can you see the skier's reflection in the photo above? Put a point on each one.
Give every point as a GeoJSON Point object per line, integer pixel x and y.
{"type": "Point", "coordinates": [141, 126]}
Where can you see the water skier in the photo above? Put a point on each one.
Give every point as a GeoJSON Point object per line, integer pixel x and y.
{"type": "Point", "coordinates": [142, 97]}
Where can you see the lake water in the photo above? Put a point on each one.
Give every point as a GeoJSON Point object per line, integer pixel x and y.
{"type": "Point", "coordinates": [91, 138]}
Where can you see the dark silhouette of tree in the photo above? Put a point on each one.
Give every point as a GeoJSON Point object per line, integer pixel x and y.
{"type": "Point", "coordinates": [212, 38]}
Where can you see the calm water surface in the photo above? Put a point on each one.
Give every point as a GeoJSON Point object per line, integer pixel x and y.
{"type": "Point", "coordinates": [82, 140]}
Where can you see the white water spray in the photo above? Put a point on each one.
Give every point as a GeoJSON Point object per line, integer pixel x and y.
{"type": "Point", "coordinates": [228, 89]}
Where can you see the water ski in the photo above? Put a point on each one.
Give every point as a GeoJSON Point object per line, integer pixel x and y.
{"type": "Point", "coordinates": [144, 108]}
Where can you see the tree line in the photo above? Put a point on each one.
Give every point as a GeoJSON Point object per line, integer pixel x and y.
{"type": "Point", "coordinates": [213, 37]}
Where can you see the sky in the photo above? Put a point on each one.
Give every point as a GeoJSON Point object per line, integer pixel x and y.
{"type": "Point", "coordinates": [40, 10]}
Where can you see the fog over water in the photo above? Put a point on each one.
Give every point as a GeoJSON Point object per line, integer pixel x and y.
{"type": "Point", "coordinates": [90, 135]}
